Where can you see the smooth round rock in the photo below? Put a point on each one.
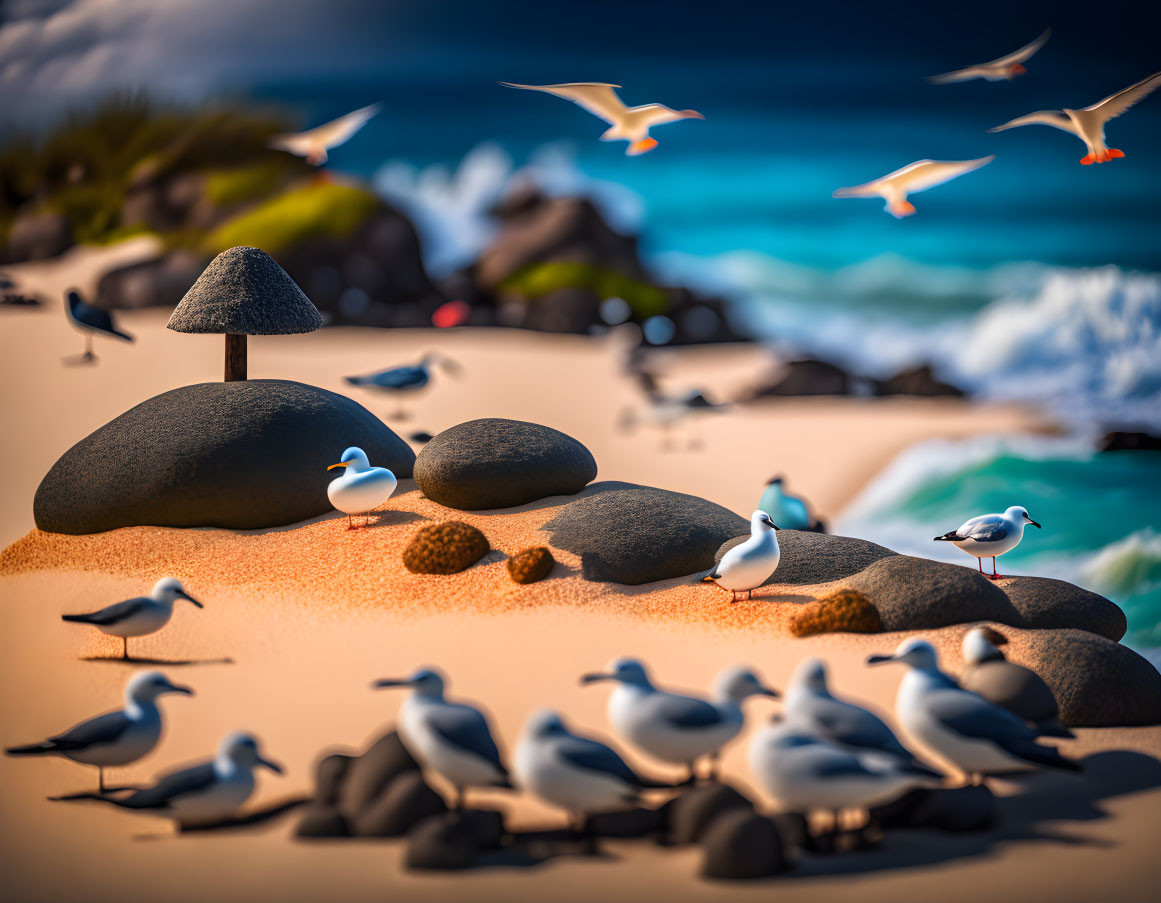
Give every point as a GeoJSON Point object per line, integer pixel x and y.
{"type": "Point", "coordinates": [494, 463]}
{"type": "Point", "coordinates": [368, 775]}
{"type": "Point", "coordinates": [1047, 603]}
{"type": "Point", "coordinates": [329, 774]}
{"type": "Point", "coordinates": [920, 594]}
{"type": "Point", "coordinates": [441, 843]}
{"type": "Point", "coordinates": [741, 844]}
{"type": "Point", "coordinates": [638, 822]}
{"type": "Point", "coordinates": [447, 547]}
{"type": "Point", "coordinates": [809, 557]}
{"type": "Point", "coordinates": [406, 802]}
{"type": "Point", "coordinates": [240, 455]}
{"type": "Point", "coordinates": [690, 813]}
{"type": "Point", "coordinates": [322, 821]}
{"type": "Point", "coordinates": [1096, 682]}
{"type": "Point", "coordinates": [638, 534]}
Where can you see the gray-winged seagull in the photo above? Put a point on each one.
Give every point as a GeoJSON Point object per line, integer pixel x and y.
{"type": "Point", "coordinates": [990, 535]}
{"type": "Point", "coordinates": [747, 566]}
{"type": "Point", "coordinates": [115, 738]}
{"type": "Point", "coordinates": [977, 737]}
{"type": "Point", "coordinates": [448, 737]}
{"type": "Point", "coordinates": [137, 617]}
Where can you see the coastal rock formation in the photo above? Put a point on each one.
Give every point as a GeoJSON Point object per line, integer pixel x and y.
{"type": "Point", "coordinates": [453, 840]}
{"type": "Point", "coordinates": [445, 548]}
{"type": "Point", "coordinates": [742, 844]}
{"type": "Point", "coordinates": [495, 463]}
{"type": "Point", "coordinates": [239, 455]}
{"type": "Point", "coordinates": [918, 381]}
{"type": "Point", "coordinates": [37, 235]}
{"type": "Point", "coordinates": [691, 813]}
{"type": "Point", "coordinates": [406, 801]}
{"type": "Point", "coordinates": [808, 377]}
{"type": "Point", "coordinates": [367, 775]}
{"type": "Point", "coordinates": [1047, 603]}
{"type": "Point", "coordinates": [809, 557]}
{"type": "Point", "coordinates": [638, 534]}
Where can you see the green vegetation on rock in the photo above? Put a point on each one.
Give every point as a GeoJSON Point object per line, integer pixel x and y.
{"type": "Point", "coordinates": [539, 279]}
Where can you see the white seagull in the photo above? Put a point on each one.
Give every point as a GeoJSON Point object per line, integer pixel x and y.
{"type": "Point", "coordinates": [1089, 124]}
{"type": "Point", "coordinates": [630, 124]}
{"type": "Point", "coordinates": [448, 737]}
{"type": "Point", "coordinates": [672, 727]}
{"type": "Point", "coordinates": [1005, 68]}
{"type": "Point", "coordinates": [915, 177]}
{"type": "Point", "coordinates": [962, 727]}
{"type": "Point", "coordinates": [137, 617]}
{"type": "Point", "coordinates": [748, 565]}
{"type": "Point", "coordinates": [313, 144]}
{"type": "Point", "coordinates": [990, 535]}
{"type": "Point", "coordinates": [362, 488]}
{"type": "Point", "coordinates": [116, 738]}
{"type": "Point", "coordinates": [574, 773]}
{"type": "Point", "coordinates": [205, 793]}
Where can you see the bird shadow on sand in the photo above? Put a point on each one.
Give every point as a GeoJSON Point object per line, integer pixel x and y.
{"type": "Point", "coordinates": [529, 849]}
{"type": "Point", "coordinates": [556, 501]}
{"type": "Point", "coordinates": [170, 662]}
{"type": "Point", "coordinates": [79, 360]}
{"type": "Point", "coordinates": [248, 820]}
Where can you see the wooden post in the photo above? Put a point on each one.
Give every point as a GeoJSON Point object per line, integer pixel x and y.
{"type": "Point", "coordinates": [235, 357]}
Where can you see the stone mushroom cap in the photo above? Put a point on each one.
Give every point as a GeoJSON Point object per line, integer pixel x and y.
{"type": "Point", "coordinates": [245, 292]}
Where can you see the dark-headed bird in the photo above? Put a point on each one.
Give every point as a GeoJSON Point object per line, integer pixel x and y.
{"type": "Point", "coordinates": [91, 321]}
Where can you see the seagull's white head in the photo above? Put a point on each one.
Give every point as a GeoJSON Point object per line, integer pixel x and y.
{"type": "Point", "coordinates": [169, 589]}
{"type": "Point", "coordinates": [760, 522]}
{"type": "Point", "coordinates": [425, 682]}
{"type": "Point", "coordinates": [545, 723]}
{"type": "Point", "coordinates": [148, 685]}
{"type": "Point", "coordinates": [354, 459]}
{"type": "Point", "coordinates": [737, 684]}
{"type": "Point", "coordinates": [1020, 516]}
{"type": "Point", "coordinates": [980, 645]}
{"type": "Point", "coordinates": [810, 675]}
{"type": "Point", "coordinates": [622, 670]}
{"type": "Point", "coordinates": [241, 750]}
{"type": "Point", "coordinates": [915, 653]}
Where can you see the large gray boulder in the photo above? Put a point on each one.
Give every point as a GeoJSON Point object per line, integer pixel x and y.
{"type": "Point", "coordinates": [809, 557]}
{"type": "Point", "coordinates": [496, 463]}
{"type": "Point", "coordinates": [638, 534]}
{"type": "Point", "coordinates": [240, 455]}
{"type": "Point", "coordinates": [1046, 603]}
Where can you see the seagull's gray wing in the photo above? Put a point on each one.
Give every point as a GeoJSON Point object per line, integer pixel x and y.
{"type": "Point", "coordinates": [170, 787]}
{"type": "Point", "coordinates": [111, 614]}
{"type": "Point", "coordinates": [852, 725]}
{"type": "Point", "coordinates": [973, 716]}
{"type": "Point", "coordinates": [685, 711]}
{"type": "Point", "coordinates": [97, 731]}
{"type": "Point", "coordinates": [466, 728]}
{"type": "Point", "coordinates": [593, 756]}
{"type": "Point", "coordinates": [985, 528]}
{"type": "Point", "coordinates": [825, 762]}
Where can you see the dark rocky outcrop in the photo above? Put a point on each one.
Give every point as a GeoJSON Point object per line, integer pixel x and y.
{"type": "Point", "coordinates": [808, 377]}
{"type": "Point", "coordinates": [496, 463]}
{"type": "Point", "coordinates": [690, 813]}
{"type": "Point", "coordinates": [368, 775]}
{"type": "Point", "coordinates": [38, 235]}
{"type": "Point", "coordinates": [639, 822]}
{"type": "Point", "coordinates": [239, 455]}
{"type": "Point", "coordinates": [1046, 603]}
{"type": "Point", "coordinates": [406, 801]}
{"type": "Point", "coordinates": [809, 557]}
{"type": "Point", "coordinates": [741, 844]}
{"type": "Point", "coordinates": [638, 534]}
{"type": "Point", "coordinates": [918, 381]}
{"type": "Point", "coordinates": [1129, 441]}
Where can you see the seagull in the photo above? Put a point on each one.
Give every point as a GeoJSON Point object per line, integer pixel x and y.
{"type": "Point", "coordinates": [201, 794]}
{"type": "Point", "coordinates": [406, 379]}
{"type": "Point", "coordinates": [314, 143]}
{"type": "Point", "coordinates": [1005, 68]}
{"type": "Point", "coordinates": [362, 488]}
{"type": "Point", "coordinates": [575, 773]}
{"type": "Point", "coordinates": [91, 320]}
{"type": "Point", "coordinates": [990, 535]}
{"type": "Point", "coordinates": [811, 707]}
{"type": "Point", "coordinates": [806, 773]}
{"type": "Point", "coordinates": [448, 737]}
{"type": "Point", "coordinates": [1016, 688]}
{"type": "Point", "coordinates": [918, 176]}
{"type": "Point", "coordinates": [666, 411]}
{"type": "Point", "coordinates": [630, 124]}
{"type": "Point", "coordinates": [1089, 124]}
{"type": "Point", "coordinates": [975, 735]}
{"type": "Point", "coordinates": [787, 510]}
{"type": "Point", "coordinates": [116, 738]}
{"type": "Point", "coordinates": [747, 566]}
{"type": "Point", "coordinates": [137, 617]}
{"type": "Point", "coordinates": [674, 728]}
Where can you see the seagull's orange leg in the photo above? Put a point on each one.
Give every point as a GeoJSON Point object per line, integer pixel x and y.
{"type": "Point", "coordinates": [1115, 154]}
{"type": "Point", "coordinates": [643, 146]}
{"type": "Point", "coordinates": [1088, 160]}
{"type": "Point", "coordinates": [902, 208]}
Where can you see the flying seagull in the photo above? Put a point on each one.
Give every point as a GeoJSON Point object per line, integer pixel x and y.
{"type": "Point", "coordinates": [314, 143]}
{"type": "Point", "coordinates": [1089, 124]}
{"type": "Point", "coordinates": [630, 124]}
{"type": "Point", "coordinates": [91, 321]}
{"type": "Point", "coordinates": [990, 535]}
{"type": "Point", "coordinates": [915, 177]}
{"type": "Point", "coordinates": [1005, 68]}
{"type": "Point", "coordinates": [137, 617]}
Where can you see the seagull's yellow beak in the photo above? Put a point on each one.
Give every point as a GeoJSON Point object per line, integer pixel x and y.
{"type": "Point", "coordinates": [333, 466]}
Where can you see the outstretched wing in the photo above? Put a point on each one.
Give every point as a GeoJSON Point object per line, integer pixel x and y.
{"type": "Point", "coordinates": [1116, 104]}
{"type": "Point", "coordinates": [598, 98]}
{"type": "Point", "coordinates": [958, 75]}
{"type": "Point", "coordinates": [338, 131]}
{"type": "Point", "coordinates": [1054, 118]}
{"type": "Point", "coordinates": [928, 173]}
{"type": "Point", "coordinates": [1024, 52]}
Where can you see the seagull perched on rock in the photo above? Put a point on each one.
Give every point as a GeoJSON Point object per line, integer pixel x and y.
{"type": "Point", "coordinates": [1089, 124]}
{"type": "Point", "coordinates": [362, 488]}
{"type": "Point", "coordinates": [975, 735]}
{"type": "Point", "coordinates": [1005, 68]}
{"type": "Point", "coordinates": [137, 617]}
{"type": "Point", "coordinates": [912, 178]}
{"type": "Point", "coordinates": [630, 124]}
{"type": "Point", "coordinates": [116, 738]}
{"type": "Point", "coordinates": [314, 143]}
{"type": "Point", "coordinates": [990, 535]}
{"type": "Point", "coordinates": [451, 738]}
{"type": "Point", "coordinates": [91, 321]}
{"type": "Point", "coordinates": [575, 773]}
{"type": "Point", "coordinates": [747, 566]}
{"type": "Point", "coordinates": [673, 727]}
{"type": "Point", "coordinates": [407, 379]}
{"type": "Point", "coordinates": [1020, 690]}
{"type": "Point", "coordinates": [201, 794]}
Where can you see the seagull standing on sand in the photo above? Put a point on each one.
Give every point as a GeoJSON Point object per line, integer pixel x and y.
{"type": "Point", "coordinates": [201, 794]}
{"type": "Point", "coordinates": [448, 737]}
{"type": "Point", "coordinates": [137, 617]}
{"type": "Point", "coordinates": [1005, 68]}
{"type": "Point", "coordinates": [747, 566]}
{"type": "Point", "coordinates": [362, 488]}
{"type": "Point", "coordinates": [314, 143]}
{"type": "Point", "coordinates": [91, 321]}
{"type": "Point", "coordinates": [407, 379]}
{"type": "Point", "coordinates": [1089, 124]}
{"type": "Point", "coordinates": [1016, 688]}
{"type": "Point", "coordinates": [675, 728]}
{"type": "Point", "coordinates": [575, 773]}
{"type": "Point", "coordinates": [977, 737]}
{"type": "Point", "coordinates": [990, 535]}
{"type": "Point", "coordinates": [630, 124]}
{"type": "Point", "coordinates": [116, 738]}
{"type": "Point", "coordinates": [788, 511]}
{"type": "Point", "coordinates": [915, 177]}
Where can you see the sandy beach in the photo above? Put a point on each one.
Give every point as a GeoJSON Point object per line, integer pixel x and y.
{"type": "Point", "coordinates": [309, 615]}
